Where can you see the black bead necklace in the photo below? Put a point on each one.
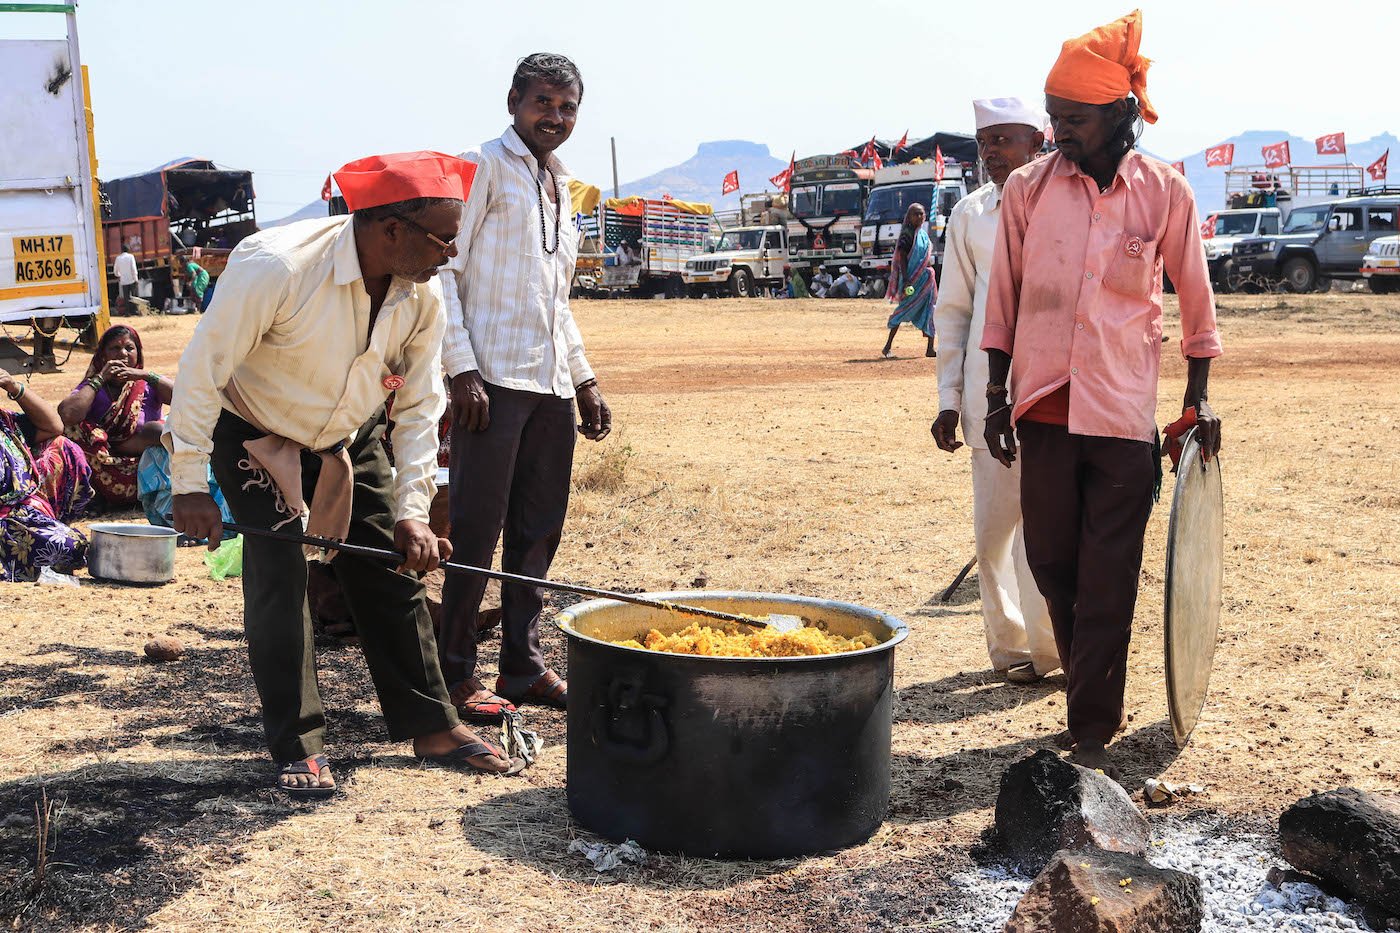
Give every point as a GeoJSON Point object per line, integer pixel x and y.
{"type": "Point", "coordinates": [558, 211]}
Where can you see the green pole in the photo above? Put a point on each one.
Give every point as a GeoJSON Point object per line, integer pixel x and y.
{"type": "Point", "coordinates": [38, 7]}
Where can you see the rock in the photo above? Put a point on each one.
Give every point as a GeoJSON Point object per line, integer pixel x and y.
{"type": "Point", "coordinates": [164, 648]}
{"type": "Point", "coordinates": [1351, 839]}
{"type": "Point", "coordinates": [1092, 891]}
{"type": "Point", "coordinates": [1047, 804]}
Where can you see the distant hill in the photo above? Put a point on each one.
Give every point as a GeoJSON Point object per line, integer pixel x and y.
{"type": "Point", "coordinates": [316, 208]}
{"type": "Point", "coordinates": [1209, 183]}
{"type": "Point", "coordinates": [699, 178]}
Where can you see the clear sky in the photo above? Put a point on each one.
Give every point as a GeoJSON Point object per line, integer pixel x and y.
{"type": "Point", "coordinates": [293, 88]}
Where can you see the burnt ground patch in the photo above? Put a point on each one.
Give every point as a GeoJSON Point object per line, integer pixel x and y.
{"type": "Point", "coordinates": [115, 840]}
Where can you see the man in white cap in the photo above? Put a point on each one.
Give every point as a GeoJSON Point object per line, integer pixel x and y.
{"type": "Point", "coordinates": [846, 285]}
{"type": "Point", "coordinates": [1020, 639]}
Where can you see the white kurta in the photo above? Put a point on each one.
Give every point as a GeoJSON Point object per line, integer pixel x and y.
{"type": "Point", "coordinates": [1013, 611]}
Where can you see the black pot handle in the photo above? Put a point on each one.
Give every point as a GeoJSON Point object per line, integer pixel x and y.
{"type": "Point", "coordinates": [628, 724]}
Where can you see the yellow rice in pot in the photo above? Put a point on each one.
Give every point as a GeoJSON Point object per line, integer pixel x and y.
{"type": "Point", "coordinates": [734, 642]}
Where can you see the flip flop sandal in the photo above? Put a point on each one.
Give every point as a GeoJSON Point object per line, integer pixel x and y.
{"type": "Point", "coordinates": [486, 712]}
{"type": "Point", "coordinates": [460, 759]}
{"type": "Point", "coordinates": [549, 689]}
{"type": "Point", "coordinates": [314, 767]}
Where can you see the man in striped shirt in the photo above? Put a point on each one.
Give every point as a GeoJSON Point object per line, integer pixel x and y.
{"type": "Point", "coordinates": [516, 360]}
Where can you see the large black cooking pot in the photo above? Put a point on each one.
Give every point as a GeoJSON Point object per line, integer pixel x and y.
{"type": "Point", "coordinates": [728, 757]}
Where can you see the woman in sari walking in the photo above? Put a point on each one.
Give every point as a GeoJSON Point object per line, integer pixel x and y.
{"type": "Point", "coordinates": [38, 494]}
{"type": "Point", "coordinates": [115, 413]}
{"type": "Point", "coordinates": [911, 279]}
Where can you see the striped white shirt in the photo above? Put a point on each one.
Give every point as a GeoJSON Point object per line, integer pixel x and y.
{"type": "Point", "coordinates": [507, 298]}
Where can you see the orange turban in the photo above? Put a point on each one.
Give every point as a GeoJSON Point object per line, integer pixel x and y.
{"type": "Point", "coordinates": [1103, 66]}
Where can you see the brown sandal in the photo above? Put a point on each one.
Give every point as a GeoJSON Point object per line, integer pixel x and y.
{"type": "Point", "coordinates": [549, 689]}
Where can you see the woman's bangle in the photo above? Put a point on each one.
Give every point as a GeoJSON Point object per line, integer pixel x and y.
{"type": "Point", "coordinates": [93, 382]}
{"type": "Point", "coordinates": [19, 393]}
{"type": "Point", "coordinates": [585, 384]}
{"type": "Point", "coordinates": [151, 378]}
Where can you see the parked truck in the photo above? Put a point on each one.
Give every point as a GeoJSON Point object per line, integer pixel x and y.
{"type": "Point", "coordinates": [894, 190]}
{"type": "Point", "coordinates": [51, 264]}
{"type": "Point", "coordinates": [647, 241]}
{"type": "Point", "coordinates": [827, 200]}
{"type": "Point", "coordinates": [189, 209]}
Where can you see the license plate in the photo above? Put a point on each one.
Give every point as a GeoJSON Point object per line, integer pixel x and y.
{"type": "Point", "coordinates": [1244, 268]}
{"type": "Point", "coordinates": [44, 258]}
{"type": "Point", "coordinates": [703, 278]}
{"type": "Point", "coordinates": [1388, 262]}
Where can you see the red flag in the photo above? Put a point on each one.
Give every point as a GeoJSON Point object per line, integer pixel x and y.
{"type": "Point", "coordinates": [1332, 144]}
{"type": "Point", "coordinates": [1277, 155]}
{"type": "Point", "coordinates": [1220, 156]}
{"type": "Point", "coordinates": [870, 156]}
{"type": "Point", "coordinates": [667, 197]}
{"type": "Point", "coordinates": [937, 163]}
{"type": "Point", "coordinates": [903, 141]}
{"type": "Point", "coordinates": [1377, 168]}
{"type": "Point", "coordinates": [783, 180]}
{"type": "Point", "coordinates": [1208, 226]}
{"type": "Point", "coordinates": [730, 183]}
{"type": "Point", "coordinates": [326, 189]}
{"type": "Point", "coordinates": [1180, 167]}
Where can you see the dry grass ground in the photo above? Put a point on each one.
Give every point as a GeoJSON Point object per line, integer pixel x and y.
{"type": "Point", "coordinates": [761, 446]}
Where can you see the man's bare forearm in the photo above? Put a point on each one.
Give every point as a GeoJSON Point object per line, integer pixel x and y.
{"type": "Point", "coordinates": [998, 367]}
{"type": "Point", "coordinates": [1197, 380]}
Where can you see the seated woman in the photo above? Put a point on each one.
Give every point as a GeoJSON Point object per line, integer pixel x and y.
{"type": "Point", "coordinates": [115, 413]}
{"type": "Point", "coordinates": [36, 495]}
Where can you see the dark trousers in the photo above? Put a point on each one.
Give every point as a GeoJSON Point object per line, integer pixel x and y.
{"type": "Point", "coordinates": [512, 477]}
{"type": "Point", "coordinates": [389, 608]}
{"type": "Point", "coordinates": [1085, 503]}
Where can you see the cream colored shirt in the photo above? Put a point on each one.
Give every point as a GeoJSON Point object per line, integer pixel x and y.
{"type": "Point", "coordinates": [289, 327]}
{"type": "Point", "coordinates": [962, 310]}
{"type": "Point", "coordinates": [507, 296]}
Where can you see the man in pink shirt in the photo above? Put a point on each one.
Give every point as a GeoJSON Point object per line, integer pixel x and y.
{"type": "Point", "coordinates": [1075, 299]}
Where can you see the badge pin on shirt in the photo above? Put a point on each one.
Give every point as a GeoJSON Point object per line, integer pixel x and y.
{"type": "Point", "coordinates": [1133, 247]}
{"type": "Point", "coordinates": [393, 382]}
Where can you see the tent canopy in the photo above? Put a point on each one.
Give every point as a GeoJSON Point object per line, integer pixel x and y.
{"type": "Point", "coordinates": [636, 204]}
{"type": "Point", "coordinates": [184, 188]}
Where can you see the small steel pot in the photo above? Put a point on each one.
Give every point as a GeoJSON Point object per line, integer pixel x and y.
{"type": "Point", "coordinates": [131, 553]}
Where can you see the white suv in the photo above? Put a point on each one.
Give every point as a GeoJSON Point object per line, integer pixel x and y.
{"type": "Point", "coordinates": [1381, 265]}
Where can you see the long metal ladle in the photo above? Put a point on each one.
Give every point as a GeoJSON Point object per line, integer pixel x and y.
{"type": "Point", "coordinates": [782, 623]}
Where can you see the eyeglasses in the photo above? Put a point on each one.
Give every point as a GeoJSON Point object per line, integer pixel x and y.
{"type": "Point", "coordinates": [444, 245]}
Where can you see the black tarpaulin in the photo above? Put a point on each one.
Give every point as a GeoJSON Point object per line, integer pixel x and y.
{"type": "Point", "coordinates": [957, 146]}
{"type": "Point", "coordinates": [185, 188]}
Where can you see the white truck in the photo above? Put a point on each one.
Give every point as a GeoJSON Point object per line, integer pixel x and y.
{"type": "Point", "coordinates": [744, 261]}
{"type": "Point", "coordinates": [895, 188]}
{"type": "Point", "coordinates": [646, 242]}
{"type": "Point", "coordinates": [52, 270]}
{"type": "Point", "coordinates": [1223, 229]}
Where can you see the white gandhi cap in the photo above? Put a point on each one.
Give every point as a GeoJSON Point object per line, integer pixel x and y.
{"type": "Point", "coordinates": [996, 111]}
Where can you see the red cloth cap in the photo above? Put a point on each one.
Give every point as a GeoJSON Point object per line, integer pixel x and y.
{"type": "Point", "coordinates": [1104, 65]}
{"type": "Point", "coordinates": [402, 176]}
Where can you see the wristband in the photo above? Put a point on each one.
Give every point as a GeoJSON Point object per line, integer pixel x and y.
{"type": "Point", "coordinates": [19, 394]}
{"type": "Point", "coordinates": [585, 384]}
{"type": "Point", "coordinates": [995, 390]}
